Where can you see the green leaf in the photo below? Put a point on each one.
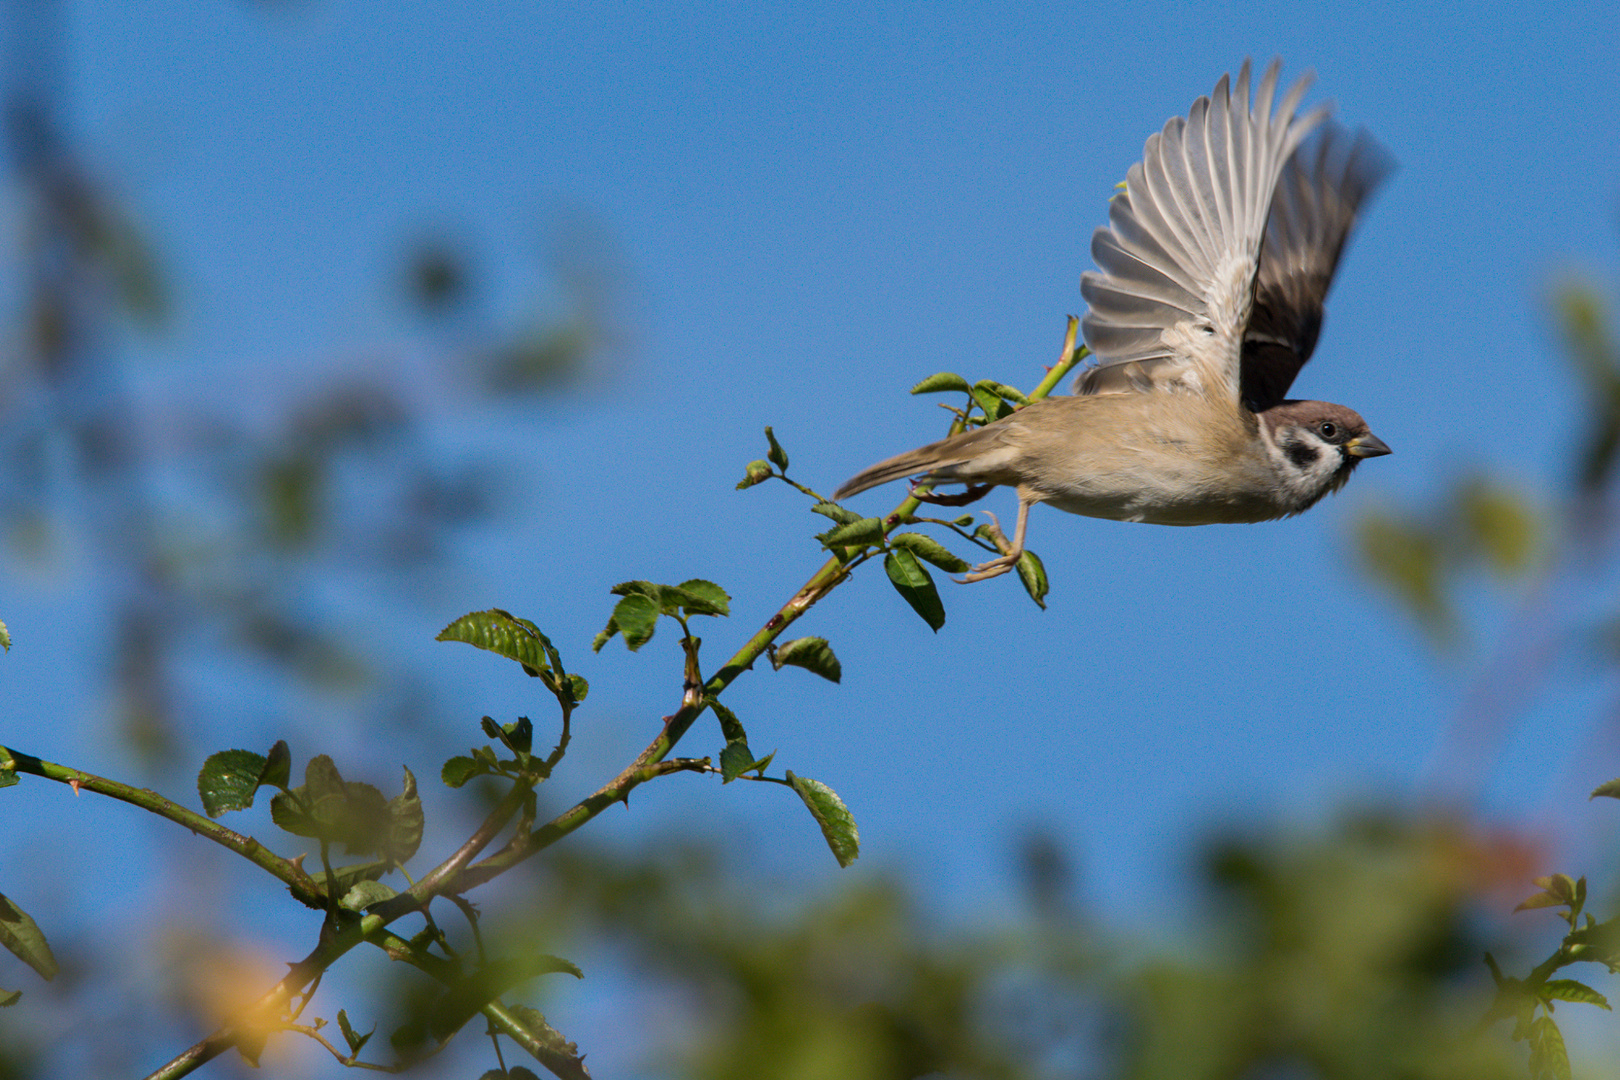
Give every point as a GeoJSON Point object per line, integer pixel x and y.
{"type": "Point", "coordinates": [362, 894]}
{"type": "Point", "coordinates": [1611, 790]}
{"type": "Point", "coordinates": [635, 617]}
{"type": "Point", "coordinates": [1032, 572]}
{"type": "Point", "coordinates": [811, 653]}
{"type": "Point", "coordinates": [9, 998]}
{"type": "Point", "coordinates": [860, 531]}
{"type": "Point", "coordinates": [838, 513]}
{"type": "Point", "coordinates": [1570, 990]}
{"type": "Point", "coordinates": [8, 768]}
{"type": "Point", "coordinates": [943, 382]}
{"type": "Point", "coordinates": [914, 584]}
{"type": "Point", "coordinates": [1005, 392]}
{"type": "Point", "coordinates": [22, 937]}
{"type": "Point", "coordinates": [704, 598]}
{"type": "Point", "coordinates": [730, 726]}
{"type": "Point", "coordinates": [356, 1041]}
{"type": "Point", "coordinates": [518, 736]}
{"type": "Point", "coordinates": [458, 1004]}
{"type": "Point", "coordinates": [1541, 900]}
{"type": "Point", "coordinates": [984, 393]}
{"type": "Point", "coordinates": [926, 547]}
{"type": "Point", "coordinates": [506, 635]}
{"type": "Point", "coordinates": [5, 642]}
{"type": "Point", "coordinates": [345, 878]}
{"type": "Point", "coordinates": [460, 769]}
{"type": "Point", "coordinates": [737, 759]}
{"type": "Point", "coordinates": [757, 473]}
{"type": "Point", "coordinates": [228, 780]}
{"type": "Point", "coordinates": [1548, 1057]}
{"type": "Point", "coordinates": [277, 767]}
{"type": "Point", "coordinates": [777, 455]}
{"type": "Point", "coordinates": [327, 808]}
{"type": "Point", "coordinates": [405, 822]}
{"type": "Point", "coordinates": [837, 824]}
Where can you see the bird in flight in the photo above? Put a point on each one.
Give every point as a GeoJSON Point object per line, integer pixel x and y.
{"type": "Point", "coordinates": [1208, 300]}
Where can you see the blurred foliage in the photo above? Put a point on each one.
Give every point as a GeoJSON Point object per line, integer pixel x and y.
{"type": "Point", "coordinates": [1352, 954]}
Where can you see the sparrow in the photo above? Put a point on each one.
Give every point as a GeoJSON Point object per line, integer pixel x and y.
{"type": "Point", "coordinates": [1207, 302]}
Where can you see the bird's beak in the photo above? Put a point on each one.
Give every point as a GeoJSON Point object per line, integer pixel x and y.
{"type": "Point", "coordinates": [1368, 445]}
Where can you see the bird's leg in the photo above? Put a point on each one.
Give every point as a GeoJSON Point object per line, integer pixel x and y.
{"type": "Point", "coordinates": [973, 493]}
{"type": "Point", "coordinates": [997, 567]}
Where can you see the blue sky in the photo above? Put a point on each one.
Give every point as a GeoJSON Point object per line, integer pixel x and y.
{"type": "Point", "coordinates": [817, 207]}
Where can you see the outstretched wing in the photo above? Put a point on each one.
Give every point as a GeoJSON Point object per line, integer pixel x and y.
{"type": "Point", "coordinates": [1318, 198]}
{"type": "Point", "coordinates": [1169, 308]}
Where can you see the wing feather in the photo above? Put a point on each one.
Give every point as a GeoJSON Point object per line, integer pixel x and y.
{"type": "Point", "coordinates": [1178, 260]}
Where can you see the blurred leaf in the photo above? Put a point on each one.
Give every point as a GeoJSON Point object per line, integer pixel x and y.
{"type": "Point", "coordinates": [1610, 789]}
{"type": "Point", "coordinates": [777, 456]}
{"type": "Point", "coordinates": [1032, 572]}
{"type": "Point", "coordinates": [362, 894]}
{"type": "Point", "coordinates": [355, 1040]}
{"type": "Point", "coordinates": [458, 770]}
{"type": "Point", "coordinates": [940, 383]}
{"type": "Point", "coordinates": [1570, 990]}
{"type": "Point", "coordinates": [926, 547]}
{"type": "Point", "coordinates": [22, 937]}
{"type": "Point", "coordinates": [463, 999]}
{"type": "Point", "coordinates": [325, 807]}
{"type": "Point", "coordinates": [915, 585]}
{"type": "Point", "coordinates": [837, 824]}
{"type": "Point", "coordinates": [542, 358]}
{"type": "Point", "coordinates": [1549, 1060]}
{"type": "Point", "coordinates": [1501, 524]}
{"type": "Point", "coordinates": [405, 823]}
{"type": "Point", "coordinates": [277, 766]}
{"type": "Point", "coordinates": [5, 637]}
{"type": "Point", "coordinates": [811, 653]}
{"type": "Point", "coordinates": [9, 998]}
{"type": "Point", "coordinates": [436, 276]}
{"type": "Point", "coordinates": [757, 473]}
{"type": "Point", "coordinates": [1406, 558]}
{"type": "Point", "coordinates": [291, 489]}
{"type": "Point", "coordinates": [228, 780]}
{"type": "Point", "coordinates": [1584, 325]}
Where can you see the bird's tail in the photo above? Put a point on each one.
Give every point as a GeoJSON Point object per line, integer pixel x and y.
{"type": "Point", "coordinates": [939, 455]}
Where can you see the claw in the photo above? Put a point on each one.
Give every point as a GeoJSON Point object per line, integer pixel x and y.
{"type": "Point", "coordinates": [973, 493]}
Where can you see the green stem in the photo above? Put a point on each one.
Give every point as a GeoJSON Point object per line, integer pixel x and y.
{"type": "Point", "coordinates": [288, 871]}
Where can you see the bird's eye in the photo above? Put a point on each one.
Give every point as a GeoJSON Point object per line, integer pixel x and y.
{"type": "Point", "coordinates": [1328, 429]}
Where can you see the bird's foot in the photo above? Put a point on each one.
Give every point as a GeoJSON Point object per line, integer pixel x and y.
{"type": "Point", "coordinates": [995, 567]}
{"type": "Point", "coordinates": [973, 493]}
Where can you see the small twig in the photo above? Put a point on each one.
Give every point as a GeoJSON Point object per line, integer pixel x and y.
{"type": "Point", "coordinates": [350, 1061]}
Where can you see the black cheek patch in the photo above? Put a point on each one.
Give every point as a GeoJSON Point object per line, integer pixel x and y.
{"type": "Point", "coordinates": [1303, 455]}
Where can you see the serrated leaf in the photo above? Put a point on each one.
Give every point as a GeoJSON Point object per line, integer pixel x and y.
{"type": "Point", "coordinates": [837, 824]}
{"type": "Point", "coordinates": [460, 769]}
{"type": "Point", "coordinates": [707, 598]}
{"type": "Point", "coordinates": [23, 939]}
{"type": "Point", "coordinates": [405, 823]}
{"type": "Point", "coordinates": [504, 634]}
{"type": "Point", "coordinates": [778, 456]}
{"type": "Point", "coordinates": [356, 1041]}
{"type": "Point", "coordinates": [838, 513]}
{"type": "Point", "coordinates": [1548, 1056]}
{"type": "Point", "coordinates": [931, 550]}
{"type": "Point", "coordinates": [730, 726]}
{"type": "Point", "coordinates": [362, 894]}
{"type": "Point", "coordinates": [915, 585]}
{"type": "Point", "coordinates": [1032, 572]}
{"type": "Point", "coordinates": [811, 653]}
{"type": "Point", "coordinates": [9, 998]}
{"type": "Point", "coordinates": [228, 780]}
{"type": "Point", "coordinates": [943, 382]}
{"type": "Point", "coordinates": [325, 807]}
{"type": "Point", "coordinates": [1571, 990]}
{"type": "Point", "coordinates": [1610, 790]}
{"type": "Point", "coordinates": [868, 530]}
{"type": "Point", "coordinates": [757, 473]}
{"type": "Point", "coordinates": [635, 617]}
